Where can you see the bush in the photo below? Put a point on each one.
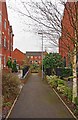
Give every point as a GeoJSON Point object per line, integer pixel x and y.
{"type": "Point", "coordinates": [76, 111]}
{"type": "Point", "coordinates": [10, 85]}
{"type": "Point", "coordinates": [52, 80]}
{"type": "Point", "coordinates": [68, 92]}
{"type": "Point", "coordinates": [60, 82]}
{"type": "Point", "coordinates": [76, 100]}
{"type": "Point", "coordinates": [9, 104]}
{"type": "Point", "coordinates": [61, 88]}
{"type": "Point", "coordinates": [54, 83]}
{"type": "Point", "coordinates": [64, 72]}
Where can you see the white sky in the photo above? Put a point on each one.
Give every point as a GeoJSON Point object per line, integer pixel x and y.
{"type": "Point", "coordinates": [23, 39]}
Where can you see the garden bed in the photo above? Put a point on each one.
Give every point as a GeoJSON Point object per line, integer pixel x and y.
{"type": "Point", "coordinates": [64, 92]}
{"type": "Point", "coordinates": [10, 90]}
{"type": "Point", "coordinates": [70, 105]}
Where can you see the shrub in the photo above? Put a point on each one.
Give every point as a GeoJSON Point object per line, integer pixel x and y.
{"type": "Point", "coordinates": [61, 88]}
{"type": "Point", "coordinates": [60, 82]}
{"type": "Point", "coordinates": [10, 85]}
{"type": "Point", "coordinates": [52, 80]}
{"type": "Point", "coordinates": [54, 83]}
{"type": "Point", "coordinates": [9, 104]}
{"type": "Point", "coordinates": [68, 92]}
{"type": "Point", "coordinates": [76, 100]}
{"type": "Point", "coordinates": [76, 111]}
{"type": "Point", "coordinates": [66, 72]}
{"type": "Point", "coordinates": [47, 78]}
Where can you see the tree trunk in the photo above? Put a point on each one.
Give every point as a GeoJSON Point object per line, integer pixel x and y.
{"type": "Point", "coordinates": [74, 79]}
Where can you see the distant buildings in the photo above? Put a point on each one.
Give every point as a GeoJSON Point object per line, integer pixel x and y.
{"type": "Point", "coordinates": [35, 57]}
{"type": "Point", "coordinates": [6, 36]}
{"type": "Point", "coordinates": [19, 56]}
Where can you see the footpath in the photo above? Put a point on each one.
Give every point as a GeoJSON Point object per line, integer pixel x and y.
{"type": "Point", "coordinates": [38, 100]}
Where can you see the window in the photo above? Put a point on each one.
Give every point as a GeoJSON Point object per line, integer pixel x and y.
{"type": "Point", "coordinates": [39, 57]}
{"type": "Point", "coordinates": [30, 62]}
{"type": "Point", "coordinates": [8, 44]}
{"type": "Point", "coordinates": [39, 62]}
{"type": "Point", "coordinates": [31, 56]}
{"type": "Point", "coordinates": [4, 61]}
{"type": "Point", "coordinates": [36, 61]}
{"type": "Point", "coordinates": [4, 41]}
{"type": "Point", "coordinates": [35, 57]}
{"type": "Point", "coordinates": [5, 24]}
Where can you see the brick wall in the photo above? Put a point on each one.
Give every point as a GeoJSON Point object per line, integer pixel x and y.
{"type": "Point", "coordinates": [65, 42]}
{"type": "Point", "coordinates": [19, 56]}
{"type": "Point", "coordinates": [6, 35]}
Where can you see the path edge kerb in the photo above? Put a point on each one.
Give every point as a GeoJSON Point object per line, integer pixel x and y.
{"type": "Point", "coordinates": [65, 104]}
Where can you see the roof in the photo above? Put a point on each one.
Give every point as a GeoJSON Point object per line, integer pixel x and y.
{"type": "Point", "coordinates": [34, 53]}
{"type": "Point", "coordinates": [19, 51]}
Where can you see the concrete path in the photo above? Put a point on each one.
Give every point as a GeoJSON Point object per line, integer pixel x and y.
{"type": "Point", "coordinates": [37, 100]}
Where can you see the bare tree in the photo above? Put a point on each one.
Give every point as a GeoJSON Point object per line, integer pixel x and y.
{"type": "Point", "coordinates": [49, 18]}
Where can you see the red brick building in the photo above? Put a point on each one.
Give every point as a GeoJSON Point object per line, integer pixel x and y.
{"type": "Point", "coordinates": [6, 35]}
{"type": "Point", "coordinates": [19, 56]}
{"type": "Point", "coordinates": [66, 45]}
{"type": "Point", "coordinates": [35, 57]}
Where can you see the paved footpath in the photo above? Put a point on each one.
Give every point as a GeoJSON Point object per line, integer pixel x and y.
{"type": "Point", "coordinates": [37, 100]}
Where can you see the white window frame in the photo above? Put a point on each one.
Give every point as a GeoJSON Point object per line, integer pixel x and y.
{"type": "Point", "coordinates": [4, 61]}
{"type": "Point", "coordinates": [31, 57]}
{"type": "Point", "coordinates": [8, 44]}
{"type": "Point", "coordinates": [39, 57]}
{"type": "Point", "coordinates": [5, 41]}
{"type": "Point", "coordinates": [5, 23]}
{"type": "Point", "coordinates": [35, 57]}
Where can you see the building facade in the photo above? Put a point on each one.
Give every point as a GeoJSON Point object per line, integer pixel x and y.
{"type": "Point", "coordinates": [6, 36]}
{"type": "Point", "coordinates": [66, 41]}
{"type": "Point", "coordinates": [19, 56]}
{"type": "Point", "coordinates": [35, 57]}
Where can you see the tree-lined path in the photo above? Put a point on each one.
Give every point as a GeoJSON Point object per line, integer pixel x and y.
{"type": "Point", "coordinates": [37, 100]}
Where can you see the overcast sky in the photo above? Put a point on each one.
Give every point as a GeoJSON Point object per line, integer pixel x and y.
{"type": "Point", "coordinates": [24, 38]}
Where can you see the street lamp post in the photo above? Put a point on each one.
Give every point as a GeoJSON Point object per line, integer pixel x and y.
{"type": "Point", "coordinates": [42, 52]}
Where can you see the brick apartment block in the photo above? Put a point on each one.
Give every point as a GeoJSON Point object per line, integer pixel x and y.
{"type": "Point", "coordinates": [6, 36]}
{"type": "Point", "coordinates": [35, 56]}
{"type": "Point", "coordinates": [65, 41]}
